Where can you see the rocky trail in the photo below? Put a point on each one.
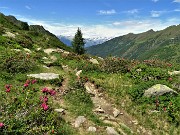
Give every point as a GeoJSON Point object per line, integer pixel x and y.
{"type": "Point", "coordinates": [117, 119]}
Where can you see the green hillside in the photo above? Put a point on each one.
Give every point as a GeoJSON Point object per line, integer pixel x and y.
{"type": "Point", "coordinates": [23, 35]}
{"type": "Point", "coordinates": [163, 45]}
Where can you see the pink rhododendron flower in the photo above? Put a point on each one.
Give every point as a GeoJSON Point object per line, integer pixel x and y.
{"type": "Point", "coordinates": [8, 86]}
{"type": "Point", "coordinates": [34, 81]}
{"type": "Point", "coordinates": [45, 90]}
{"type": "Point", "coordinates": [52, 92]}
{"type": "Point", "coordinates": [44, 106]}
{"type": "Point", "coordinates": [8, 90]}
{"type": "Point", "coordinates": [1, 125]}
{"type": "Point", "coordinates": [26, 84]}
{"type": "Point", "coordinates": [44, 99]}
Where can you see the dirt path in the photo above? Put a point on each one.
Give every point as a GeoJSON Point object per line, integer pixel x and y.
{"type": "Point", "coordinates": [109, 113]}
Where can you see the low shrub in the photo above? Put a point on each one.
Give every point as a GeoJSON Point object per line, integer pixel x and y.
{"type": "Point", "coordinates": [16, 62]}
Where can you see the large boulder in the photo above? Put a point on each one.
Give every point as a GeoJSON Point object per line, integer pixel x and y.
{"type": "Point", "coordinates": [158, 90]}
{"type": "Point", "coordinates": [94, 61]}
{"type": "Point", "coordinates": [45, 76]}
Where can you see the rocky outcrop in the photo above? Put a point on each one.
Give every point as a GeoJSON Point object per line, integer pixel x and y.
{"type": "Point", "coordinates": [158, 90]}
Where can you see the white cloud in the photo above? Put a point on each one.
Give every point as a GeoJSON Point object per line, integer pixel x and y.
{"type": "Point", "coordinates": [28, 7]}
{"type": "Point", "coordinates": [107, 12]}
{"type": "Point", "coordinates": [133, 11]}
{"type": "Point", "coordinates": [178, 1]}
{"type": "Point", "coordinates": [112, 29]}
{"type": "Point", "coordinates": [155, 1]}
{"type": "Point", "coordinates": [157, 13]}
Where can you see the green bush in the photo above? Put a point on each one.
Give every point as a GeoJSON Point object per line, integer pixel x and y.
{"type": "Point", "coordinates": [16, 62]}
{"type": "Point", "coordinates": [143, 72]}
{"type": "Point", "coordinates": [115, 65]}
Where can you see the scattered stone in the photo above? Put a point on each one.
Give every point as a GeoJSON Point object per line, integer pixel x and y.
{"type": "Point", "coordinates": [100, 95]}
{"type": "Point", "coordinates": [45, 76]}
{"type": "Point", "coordinates": [27, 50]}
{"type": "Point", "coordinates": [38, 49]}
{"type": "Point", "coordinates": [88, 89]}
{"type": "Point", "coordinates": [17, 50]}
{"type": "Point", "coordinates": [155, 111]}
{"type": "Point", "coordinates": [79, 120]}
{"type": "Point", "coordinates": [53, 58]}
{"type": "Point", "coordinates": [99, 110]}
{"type": "Point", "coordinates": [9, 34]}
{"type": "Point", "coordinates": [61, 110]}
{"type": "Point", "coordinates": [111, 131]}
{"type": "Point", "coordinates": [158, 90]}
{"type": "Point", "coordinates": [44, 58]}
{"type": "Point", "coordinates": [135, 122]}
{"type": "Point", "coordinates": [66, 53]}
{"type": "Point", "coordinates": [78, 73]}
{"type": "Point", "coordinates": [174, 72]}
{"type": "Point", "coordinates": [60, 50]}
{"type": "Point", "coordinates": [121, 113]}
{"type": "Point", "coordinates": [49, 50]}
{"type": "Point", "coordinates": [45, 67]}
{"type": "Point", "coordinates": [91, 129]}
{"type": "Point", "coordinates": [116, 112]}
{"type": "Point", "coordinates": [94, 61]}
{"type": "Point", "coordinates": [138, 70]}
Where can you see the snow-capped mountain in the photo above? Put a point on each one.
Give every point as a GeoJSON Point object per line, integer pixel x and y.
{"type": "Point", "coordinates": [89, 41]}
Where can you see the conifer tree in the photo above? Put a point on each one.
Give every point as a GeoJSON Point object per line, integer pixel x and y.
{"type": "Point", "coordinates": [78, 42]}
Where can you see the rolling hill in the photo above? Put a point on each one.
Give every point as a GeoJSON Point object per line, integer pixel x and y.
{"type": "Point", "coordinates": [163, 45]}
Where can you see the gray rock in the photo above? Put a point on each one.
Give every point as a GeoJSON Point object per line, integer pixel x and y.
{"type": "Point", "coordinates": [116, 112]}
{"type": "Point", "coordinates": [111, 131]}
{"type": "Point", "coordinates": [91, 129]}
{"type": "Point", "coordinates": [158, 90]}
{"type": "Point", "coordinates": [174, 72]}
{"type": "Point", "coordinates": [78, 73]}
{"type": "Point", "coordinates": [45, 76]}
{"type": "Point", "coordinates": [61, 110]}
{"type": "Point", "coordinates": [94, 61]}
{"type": "Point", "coordinates": [79, 120]}
{"type": "Point", "coordinates": [99, 110]}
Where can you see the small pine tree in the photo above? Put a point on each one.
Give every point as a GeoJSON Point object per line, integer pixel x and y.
{"type": "Point", "coordinates": [78, 42]}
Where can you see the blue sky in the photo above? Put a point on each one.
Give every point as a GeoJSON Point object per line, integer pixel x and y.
{"type": "Point", "coordinates": [105, 18]}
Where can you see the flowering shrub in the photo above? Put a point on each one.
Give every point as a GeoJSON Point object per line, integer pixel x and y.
{"type": "Point", "coordinates": [23, 112]}
{"type": "Point", "coordinates": [115, 65]}
{"type": "Point", "coordinates": [16, 62]}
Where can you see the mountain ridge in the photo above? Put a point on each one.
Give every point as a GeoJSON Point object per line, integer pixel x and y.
{"type": "Point", "coordinates": [147, 45]}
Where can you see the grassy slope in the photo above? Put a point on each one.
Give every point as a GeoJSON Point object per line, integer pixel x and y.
{"type": "Point", "coordinates": [142, 46]}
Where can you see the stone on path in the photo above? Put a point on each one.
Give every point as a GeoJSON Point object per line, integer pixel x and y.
{"type": "Point", "coordinates": [111, 131]}
{"type": "Point", "coordinates": [61, 110]}
{"type": "Point", "coordinates": [158, 90]}
{"type": "Point", "coordinates": [91, 129]}
{"type": "Point", "coordinates": [116, 112]}
{"type": "Point", "coordinates": [45, 76]}
{"type": "Point", "coordinates": [79, 120]}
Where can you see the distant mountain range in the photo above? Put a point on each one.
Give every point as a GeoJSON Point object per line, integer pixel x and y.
{"type": "Point", "coordinates": [164, 45]}
{"type": "Point", "coordinates": [89, 41]}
